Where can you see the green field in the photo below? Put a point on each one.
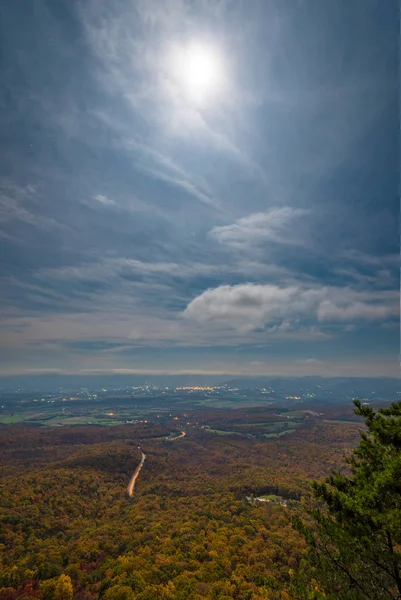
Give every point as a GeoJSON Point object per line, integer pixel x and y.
{"type": "Point", "coordinates": [221, 432]}
{"type": "Point", "coordinates": [271, 497]}
{"type": "Point", "coordinates": [278, 434]}
{"type": "Point", "coordinates": [230, 403]}
{"type": "Point", "coordinates": [55, 419]}
{"type": "Point", "coordinates": [341, 422]}
{"type": "Point", "coordinates": [271, 424]}
{"type": "Point", "coordinates": [14, 418]}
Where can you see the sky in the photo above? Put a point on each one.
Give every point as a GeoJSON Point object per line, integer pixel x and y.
{"type": "Point", "coordinates": [206, 186]}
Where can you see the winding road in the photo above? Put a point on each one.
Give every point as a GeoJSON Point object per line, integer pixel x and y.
{"type": "Point", "coordinates": [133, 479]}
{"type": "Point", "coordinates": [172, 439]}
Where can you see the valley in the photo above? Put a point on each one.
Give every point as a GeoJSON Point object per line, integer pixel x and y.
{"type": "Point", "coordinates": [188, 531]}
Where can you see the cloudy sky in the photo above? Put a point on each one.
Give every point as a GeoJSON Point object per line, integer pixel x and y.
{"type": "Point", "coordinates": [205, 186]}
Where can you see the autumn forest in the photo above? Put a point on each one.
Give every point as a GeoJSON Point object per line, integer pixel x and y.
{"type": "Point", "coordinates": [210, 516]}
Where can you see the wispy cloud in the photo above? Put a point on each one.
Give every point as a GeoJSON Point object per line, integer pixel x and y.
{"type": "Point", "coordinates": [358, 311]}
{"type": "Point", "coordinates": [355, 256]}
{"type": "Point", "coordinates": [159, 165]}
{"type": "Point", "coordinates": [19, 203]}
{"type": "Point", "coordinates": [110, 269]}
{"type": "Point", "coordinates": [104, 200]}
{"type": "Point", "coordinates": [275, 225]}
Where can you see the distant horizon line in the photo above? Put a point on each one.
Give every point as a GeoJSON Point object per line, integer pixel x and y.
{"type": "Point", "coordinates": [161, 373]}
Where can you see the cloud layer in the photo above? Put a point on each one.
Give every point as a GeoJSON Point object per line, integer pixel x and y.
{"type": "Point", "coordinates": [251, 306]}
{"type": "Point", "coordinates": [145, 231]}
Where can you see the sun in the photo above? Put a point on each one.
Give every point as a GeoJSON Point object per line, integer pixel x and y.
{"type": "Point", "coordinates": [198, 70]}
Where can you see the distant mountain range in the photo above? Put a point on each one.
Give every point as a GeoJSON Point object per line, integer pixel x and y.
{"type": "Point", "coordinates": [340, 385]}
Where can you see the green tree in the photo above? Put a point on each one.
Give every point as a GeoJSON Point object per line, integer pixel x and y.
{"type": "Point", "coordinates": [57, 589]}
{"type": "Point", "coordinates": [119, 592]}
{"type": "Point", "coordinates": [354, 535]}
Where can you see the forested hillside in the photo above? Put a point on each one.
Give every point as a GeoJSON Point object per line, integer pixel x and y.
{"type": "Point", "coordinates": [188, 532]}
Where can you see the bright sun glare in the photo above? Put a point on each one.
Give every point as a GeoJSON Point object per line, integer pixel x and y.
{"type": "Point", "coordinates": [199, 72]}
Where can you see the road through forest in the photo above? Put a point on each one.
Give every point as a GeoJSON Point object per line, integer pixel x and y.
{"type": "Point", "coordinates": [133, 479]}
